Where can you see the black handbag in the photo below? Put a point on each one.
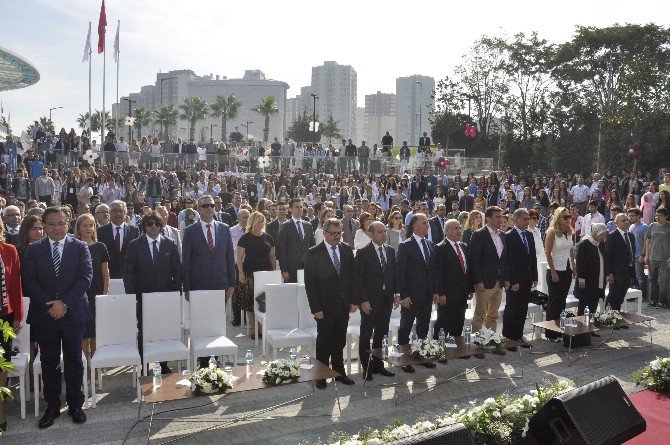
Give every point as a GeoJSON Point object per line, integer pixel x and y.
{"type": "Point", "coordinates": [539, 298]}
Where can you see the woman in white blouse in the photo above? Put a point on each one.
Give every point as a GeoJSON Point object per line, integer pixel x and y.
{"type": "Point", "coordinates": [362, 239]}
{"type": "Point", "coordinates": [325, 214]}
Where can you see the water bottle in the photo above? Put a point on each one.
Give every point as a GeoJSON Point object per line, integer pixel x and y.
{"type": "Point", "coordinates": [608, 307]}
{"type": "Point", "coordinates": [385, 346]}
{"type": "Point", "coordinates": [249, 360]}
{"type": "Point", "coordinates": [292, 353]}
{"type": "Point", "coordinates": [587, 316]}
{"type": "Point", "coordinates": [212, 362]}
{"type": "Point", "coordinates": [442, 338]}
{"type": "Point", "coordinates": [158, 377]}
{"type": "Point", "coordinates": [414, 337]}
{"type": "Point", "coordinates": [563, 317]}
{"type": "Point", "coordinates": [468, 332]}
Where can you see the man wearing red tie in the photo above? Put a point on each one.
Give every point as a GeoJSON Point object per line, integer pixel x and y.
{"type": "Point", "coordinates": [116, 236]}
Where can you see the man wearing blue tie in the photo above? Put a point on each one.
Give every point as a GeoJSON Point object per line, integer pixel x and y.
{"type": "Point", "coordinates": [57, 271]}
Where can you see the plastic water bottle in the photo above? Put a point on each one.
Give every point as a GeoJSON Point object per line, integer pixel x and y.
{"type": "Point", "coordinates": [587, 316]}
{"type": "Point", "coordinates": [292, 353]}
{"type": "Point", "coordinates": [212, 362]}
{"type": "Point", "coordinates": [468, 332]}
{"type": "Point", "coordinates": [414, 337]}
{"type": "Point", "coordinates": [158, 377]}
{"type": "Point", "coordinates": [385, 346]}
{"type": "Point", "coordinates": [608, 307]}
{"type": "Point", "coordinates": [249, 360]}
{"type": "Point", "coordinates": [442, 338]}
{"type": "Point", "coordinates": [563, 317]}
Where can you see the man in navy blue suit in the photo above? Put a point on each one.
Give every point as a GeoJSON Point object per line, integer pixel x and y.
{"type": "Point", "coordinates": [208, 259]}
{"type": "Point", "coordinates": [412, 262]}
{"type": "Point", "coordinates": [56, 272]}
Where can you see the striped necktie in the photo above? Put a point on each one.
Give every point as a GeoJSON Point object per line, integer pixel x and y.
{"type": "Point", "coordinates": [56, 258]}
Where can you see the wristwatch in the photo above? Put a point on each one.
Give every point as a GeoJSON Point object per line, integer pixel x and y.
{"type": "Point", "coordinates": [65, 306]}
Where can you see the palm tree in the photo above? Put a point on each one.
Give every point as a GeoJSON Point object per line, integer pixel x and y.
{"type": "Point", "coordinates": [84, 120]}
{"type": "Point", "coordinates": [227, 108]}
{"type": "Point", "coordinates": [167, 117]}
{"type": "Point", "coordinates": [267, 107]}
{"type": "Point", "coordinates": [47, 124]}
{"type": "Point", "coordinates": [142, 119]}
{"type": "Point", "coordinates": [193, 109]}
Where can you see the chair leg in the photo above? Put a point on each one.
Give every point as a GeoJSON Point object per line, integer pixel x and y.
{"type": "Point", "coordinates": [85, 384]}
{"type": "Point", "coordinates": [137, 383]}
{"type": "Point", "coordinates": [135, 376]}
{"type": "Point", "coordinates": [348, 354]}
{"type": "Point", "coordinates": [265, 335]}
{"type": "Point", "coordinates": [26, 379]}
{"type": "Point", "coordinates": [22, 394]}
{"type": "Point", "coordinates": [188, 362]}
{"type": "Point", "coordinates": [36, 384]}
{"type": "Point", "coordinates": [93, 397]}
{"type": "Point", "coordinates": [100, 374]}
{"type": "Point", "coordinates": [256, 330]}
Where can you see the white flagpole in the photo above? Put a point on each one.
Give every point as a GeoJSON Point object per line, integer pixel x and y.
{"type": "Point", "coordinates": [118, 55]}
{"type": "Point", "coordinates": [90, 112]}
{"type": "Point", "coordinates": [104, 72]}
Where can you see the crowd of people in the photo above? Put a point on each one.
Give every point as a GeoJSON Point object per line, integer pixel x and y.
{"type": "Point", "coordinates": [367, 242]}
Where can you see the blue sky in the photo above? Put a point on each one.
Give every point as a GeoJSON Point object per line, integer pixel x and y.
{"type": "Point", "coordinates": [382, 40]}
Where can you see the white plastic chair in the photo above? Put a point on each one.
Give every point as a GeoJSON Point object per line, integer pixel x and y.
{"type": "Point", "coordinates": [22, 359]}
{"type": "Point", "coordinates": [261, 279]}
{"type": "Point", "coordinates": [208, 326]}
{"type": "Point", "coordinates": [306, 321]}
{"type": "Point", "coordinates": [301, 276]}
{"type": "Point", "coordinates": [633, 295]}
{"type": "Point", "coordinates": [37, 374]}
{"type": "Point", "coordinates": [281, 318]}
{"type": "Point", "coordinates": [353, 336]}
{"type": "Point", "coordinates": [161, 329]}
{"type": "Point", "coordinates": [394, 324]}
{"type": "Point", "coordinates": [116, 287]}
{"type": "Point", "coordinates": [542, 277]}
{"type": "Point", "coordinates": [115, 346]}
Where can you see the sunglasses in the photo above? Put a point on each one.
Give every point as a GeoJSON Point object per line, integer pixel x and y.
{"type": "Point", "coordinates": [151, 223]}
{"type": "Point", "coordinates": [207, 206]}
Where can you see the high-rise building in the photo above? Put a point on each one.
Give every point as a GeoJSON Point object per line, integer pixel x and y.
{"type": "Point", "coordinates": [414, 103]}
{"type": "Point", "coordinates": [360, 126]}
{"type": "Point", "coordinates": [379, 116]}
{"type": "Point", "coordinates": [336, 87]}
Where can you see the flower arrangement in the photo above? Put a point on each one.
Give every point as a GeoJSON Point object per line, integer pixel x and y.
{"type": "Point", "coordinates": [280, 371]}
{"type": "Point", "coordinates": [499, 421]}
{"type": "Point", "coordinates": [656, 376]}
{"type": "Point", "coordinates": [211, 379]}
{"type": "Point", "coordinates": [607, 318]}
{"type": "Point", "coordinates": [426, 348]}
{"type": "Point", "coordinates": [487, 338]}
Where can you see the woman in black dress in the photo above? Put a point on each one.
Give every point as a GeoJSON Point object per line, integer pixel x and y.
{"type": "Point", "coordinates": [255, 252]}
{"type": "Point", "coordinates": [85, 230]}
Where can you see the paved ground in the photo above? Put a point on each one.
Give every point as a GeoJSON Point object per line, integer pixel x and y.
{"type": "Point", "coordinates": [316, 418]}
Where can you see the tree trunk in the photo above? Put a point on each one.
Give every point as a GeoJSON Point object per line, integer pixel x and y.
{"type": "Point", "coordinates": [266, 130]}
{"type": "Point", "coordinates": [223, 128]}
{"type": "Point", "coordinates": [191, 131]}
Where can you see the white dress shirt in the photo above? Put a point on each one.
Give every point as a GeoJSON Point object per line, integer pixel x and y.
{"type": "Point", "coordinates": [203, 224]}
{"type": "Point", "coordinates": [330, 252]}
{"type": "Point", "coordinates": [453, 246]}
{"type": "Point", "coordinates": [419, 241]}
{"type": "Point", "coordinates": [61, 245]}
{"type": "Point", "coordinates": [122, 228]}
{"type": "Point", "coordinates": [300, 230]}
{"type": "Point", "coordinates": [151, 246]}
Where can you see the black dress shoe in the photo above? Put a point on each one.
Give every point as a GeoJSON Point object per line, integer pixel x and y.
{"type": "Point", "coordinates": [48, 418]}
{"type": "Point", "coordinates": [78, 415]}
{"type": "Point", "coordinates": [408, 369]}
{"type": "Point", "coordinates": [165, 369]}
{"type": "Point", "coordinates": [236, 323]}
{"type": "Point", "coordinates": [595, 334]}
{"type": "Point", "coordinates": [386, 373]}
{"type": "Point", "coordinates": [367, 377]}
{"type": "Point", "coordinates": [651, 304]}
{"type": "Point", "coordinates": [345, 380]}
{"type": "Point", "coordinates": [526, 345]}
{"type": "Point", "coordinates": [3, 427]}
{"type": "Point", "coordinates": [321, 384]}
{"type": "Point", "coordinates": [624, 326]}
{"type": "Point", "coordinates": [430, 365]}
{"type": "Point", "coordinates": [513, 349]}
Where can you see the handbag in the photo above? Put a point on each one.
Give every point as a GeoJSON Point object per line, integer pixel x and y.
{"type": "Point", "coordinates": [260, 299]}
{"type": "Point", "coordinates": [539, 298]}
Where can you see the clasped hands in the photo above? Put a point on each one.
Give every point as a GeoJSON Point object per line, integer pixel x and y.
{"type": "Point", "coordinates": [319, 315]}
{"type": "Point", "coordinates": [57, 310]}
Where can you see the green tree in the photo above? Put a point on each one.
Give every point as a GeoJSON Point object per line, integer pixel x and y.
{"type": "Point", "coordinates": [299, 130]}
{"type": "Point", "coordinates": [143, 118]}
{"type": "Point", "coordinates": [225, 108]}
{"type": "Point", "coordinates": [167, 117]}
{"type": "Point", "coordinates": [267, 108]}
{"type": "Point", "coordinates": [83, 121]}
{"type": "Point", "coordinates": [193, 109]}
{"type": "Point", "coordinates": [331, 129]}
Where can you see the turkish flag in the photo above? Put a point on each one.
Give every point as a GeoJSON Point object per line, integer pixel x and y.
{"type": "Point", "coordinates": [102, 22]}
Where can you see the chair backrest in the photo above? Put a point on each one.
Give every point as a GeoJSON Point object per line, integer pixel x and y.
{"type": "Point", "coordinates": [281, 305]}
{"type": "Point", "coordinates": [116, 287]}
{"type": "Point", "coordinates": [208, 313]}
{"type": "Point", "coordinates": [161, 316]}
{"type": "Point", "coordinates": [305, 317]}
{"type": "Point", "coordinates": [301, 276]}
{"type": "Point", "coordinates": [22, 340]}
{"type": "Point", "coordinates": [355, 318]}
{"type": "Point", "coordinates": [395, 312]}
{"type": "Point", "coordinates": [115, 320]}
{"type": "Point", "coordinates": [263, 278]}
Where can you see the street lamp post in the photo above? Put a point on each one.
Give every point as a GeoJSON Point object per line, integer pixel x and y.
{"type": "Point", "coordinates": [247, 127]}
{"type": "Point", "coordinates": [50, 109]}
{"type": "Point", "coordinates": [130, 114]}
{"type": "Point", "coordinates": [420, 97]}
{"type": "Point", "coordinates": [211, 130]}
{"type": "Point", "coordinates": [314, 97]}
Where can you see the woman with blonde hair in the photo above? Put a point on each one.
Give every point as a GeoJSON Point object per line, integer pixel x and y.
{"type": "Point", "coordinates": [561, 265]}
{"type": "Point", "coordinates": [255, 252]}
{"type": "Point", "coordinates": [396, 229]}
{"type": "Point", "coordinates": [85, 230]}
{"type": "Point", "coordinates": [475, 222]}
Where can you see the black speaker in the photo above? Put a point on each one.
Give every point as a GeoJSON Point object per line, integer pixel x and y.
{"type": "Point", "coordinates": [457, 434]}
{"type": "Point", "coordinates": [599, 413]}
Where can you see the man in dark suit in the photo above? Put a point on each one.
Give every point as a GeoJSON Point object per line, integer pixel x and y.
{"type": "Point", "coordinates": [208, 259]}
{"type": "Point", "coordinates": [349, 226]}
{"type": "Point", "coordinates": [329, 281]}
{"type": "Point", "coordinates": [116, 236]}
{"type": "Point", "coordinates": [424, 141]}
{"type": "Point", "coordinates": [437, 224]}
{"type": "Point", "coordinates": [619, 261]}
{"type": "Point", "coordinates": [221, 215]}
{"type": "Point", "coordinates": [487, 247]}
{"type": "Point", "coordinates": [232, 210]}
{"type": "Point", "coordinates": [412, 261]}
{"type": "Point", "coordinates": [376, 286]}
{"type": "Point", "coordinates": [272, 228]}
{"type": "Point", "coordinates": [56, 273]}
{"type": "Point", "coordinates": [152, 265]}
{"type": "Point", "coordinates": [295, 237]}
{"type": "Point", "coordinates": [520, 276]}
{"type": "Point", "coordinates": [451, 280]}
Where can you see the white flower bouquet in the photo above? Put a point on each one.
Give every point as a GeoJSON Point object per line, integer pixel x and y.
{"type": "Point", "coordinates": [426, 348]}
{"type": "Point", "coordinates": [656, 376]}
{"type": "Point", "coordinates": [280, 371]}
{"type": "Point", "coordinates": [211, 380]}
{"type": "Point", "coordinates": [487, 338]}
{"type": "Point", "coordinates": [607, 318]}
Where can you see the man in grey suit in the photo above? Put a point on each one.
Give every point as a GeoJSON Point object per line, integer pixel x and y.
{"type": "Point", "coordinates": [168, 231]}
{"type": "Point", "coordinates": [295, 237]}
{"type": "Point", "coordinates": [349, 226]}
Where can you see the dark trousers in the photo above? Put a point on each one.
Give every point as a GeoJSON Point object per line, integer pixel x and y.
{"type": "Point", "coordinates": [451, 316]}
{"type": "Point", "coordinates": [420, 310]}
{"type": "Point", "coordinates": [590, 299]}
{"type": "Point", "coordinates": [617, 293]}
{"type": "Point", "coordinates": [331, 338]}
{"type": "Point", "coordinates": [558, 293]}
{"type": "Point", "coordinates": [374, 326]}
{"type": "Point", "coordinates": [54, 335]}
{"type": "Point", "coordinates": [516, 311]}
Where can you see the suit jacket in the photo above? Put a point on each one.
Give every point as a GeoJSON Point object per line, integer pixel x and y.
{"type": "Point", "coordinates": [487, 267]}
{"type": "Point", "coordinates": [326, 290]}
{"type": "Point", "coordinates": [116, 258]}
{"type": "Point", "coordinates": [446, 274]}
{"type": "Point", "coordinates": [424, 141]}
{"type": "Point", "coordinates": [233, 215]}
{"type": "Point", "coordinates": [173, 234]}
{"type": "Point", "coordinates": [618, 256]}
{"type": "Point", "coordinates": [41, 283]}
{"type": "Point", "coordinates": [140, 275]}
{"type": "Point", "coordinates": [520, 266]}
{"type": "Point", "coordinates": [291, 248]}
{"type": "Point", "coordinates": [374, 284]}
{"type": "Point", "coordinates": [224, 217]}
{"type": "Point", "coordinates": [413, 271]}
{"type": "Point", "coordinates": [436, 229]}
{"type": "Point", "coordinates": [348, 234]}
{"type": "Point", "coordinates": [588, 268]}
{"type": "Point", "coordinates": [202, 270]}
{"type": "Point", "coordinates": [272, 229]}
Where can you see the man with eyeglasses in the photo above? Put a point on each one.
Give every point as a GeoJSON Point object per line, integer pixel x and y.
{"type": "Point", "coordinates": [329, 281]}
{"type": "Point", "coordinates": [349, 226]}
{"type": "Point", "coordinates": [102, 215]}
{"type": "Point", "coordinates": [12, 219]}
